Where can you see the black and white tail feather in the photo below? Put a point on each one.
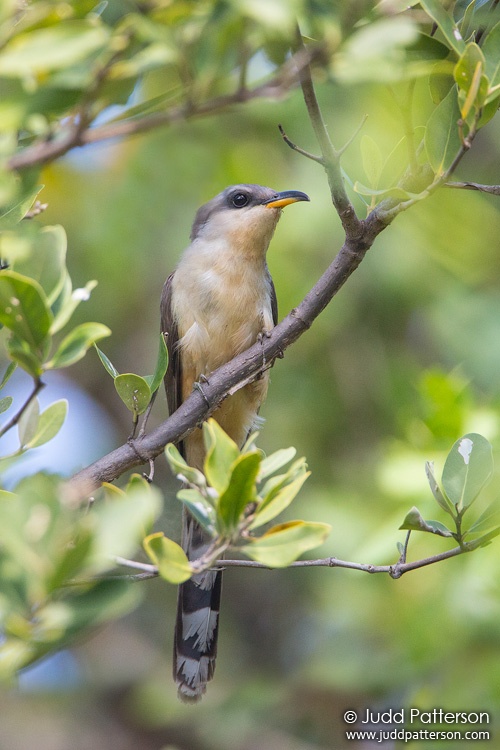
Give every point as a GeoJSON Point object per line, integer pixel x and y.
{"type": "Point", "coordinates": [197, 624]}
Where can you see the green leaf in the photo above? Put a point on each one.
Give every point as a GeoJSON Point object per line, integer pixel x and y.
{"type": "Point", "coordinates": [489, 519]}
{"type": "Point", "coordinates": [270, 464]}
{"type": "Point", "coordinates": [200, 508]}
{"type": "Point", "coordinates": [181, 468]}
{"type": "Point", "coordinates": [15, 213]}
{"type": "Point", "coordinates": [72, 559]}
{"type": "Point", "coordinates": [75, 345]}
{"type": "Point", "coordinates": [67, 302]}
{"type": "Point", "coordinates": [394, 192]}
{"type": "Point", "coordinates": [372, 160]}
{"type": "Point", "coordinates": [442, 138]}
{"type": "Point", "coordinates": [284, 543]}
{"type": "Point", "coordinates": [436, 10]}
{"type": "Point", "coordinates": [119, 523]}
{"type": "Point", "coordinates": [133, 391]}
{"type": "Point", "coordinates": [24, 356]}
{"type": "Point", "coordinates": [8, 374]}
{"type": "Point", "coordinates": [491, 52]}
{"type": "Point", "coordinates": [469, 77]}
{"type": "Point", "coordinates": [279, 502]}
{"type": "Point", "coordinates": [28, 424]}
{"type": "Point", "coordinates": [5, 403]}
{"type": "Point", "coordinates": [221, 452]}
{"type": "Point", "coordinates": [46, 262]}
{"type": "Point", "coordinates": [169, 557]}
{"type": "Point", "coordinates": [414, 522]}
{"type": "Point", "coordinates": [24, 309]}
{"type": "Point", "coordinates": [467, 469]}
{"type": "Point", "coordinates": [59, 46]}
{"type": "Point", "coordinates": [240, 490]}
{"type": "Point", "coordinates": [484, 540]}
{"type": "Point", "coordinates": [50, 422]}
{"type": "Point", "coordinates": [161, 366]}
{"type": "Point", "coordinates": [440, 498]}
{"type": "Point", "coordinates": [108, 365]}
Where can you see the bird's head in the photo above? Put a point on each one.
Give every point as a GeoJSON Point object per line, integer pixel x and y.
{"type": "Point", "coordinates": [244, 216]}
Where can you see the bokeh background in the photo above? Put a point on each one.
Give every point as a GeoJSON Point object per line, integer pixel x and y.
{"type": "Point", "coordinates": [404, 361]}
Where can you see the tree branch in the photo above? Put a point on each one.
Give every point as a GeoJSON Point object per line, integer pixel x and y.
{"type": "Point", "coordinates": [74, 135]}
{"type": "Point", "coordinates": [492, 189]}
{"type": "Point", "coordinates": [330, 157]}
{"type": "Point", "coordinates": [237, 372]}
{"type": "Point", "coordinates": [37, 387]}
{"type": "Point", "coordinates": [394, 571]}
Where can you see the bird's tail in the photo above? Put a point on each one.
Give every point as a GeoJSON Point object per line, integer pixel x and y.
{"type": "Point", "coordinates": [197, 624]}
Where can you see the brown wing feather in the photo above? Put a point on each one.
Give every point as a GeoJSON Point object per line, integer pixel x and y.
{"type": "Point", "coordinates": [173, 376]}
{"type": "Point", "coordinates": [274, 302]}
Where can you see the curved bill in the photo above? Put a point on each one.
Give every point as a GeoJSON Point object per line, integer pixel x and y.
{"type": "Point", "coordinates": [280, 200]}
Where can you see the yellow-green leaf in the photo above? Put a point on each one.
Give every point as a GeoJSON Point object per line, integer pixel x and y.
{"type": "Point", "coordinates": [284, 543]}
{"type": "Point", "coordinates": [169, 557]}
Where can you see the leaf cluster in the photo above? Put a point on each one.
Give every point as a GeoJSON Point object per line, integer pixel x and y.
{"type": "Point", "coordinates": [468, 468]}
{"type": "Point", "coordinates": [47, 540]}
{"type": "Point", "coordinates": [237, 493]}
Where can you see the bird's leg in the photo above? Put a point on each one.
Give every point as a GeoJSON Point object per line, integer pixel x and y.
{"type": "Point", "coordinates": [197, 386]}
{"type": "Point", "coordinates": [264, 334]}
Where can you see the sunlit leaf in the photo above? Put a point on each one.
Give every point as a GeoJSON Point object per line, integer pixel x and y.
{"type": "Point", "coordinates": [221, 452]}
{"type": "Point", "coordinates": [371, 156]}
{"type": "Point", "coordinates": [240, 490]}
{"type": "Point", "coordinates": [284, 543]}
{"type": "Point", "coordinates": [468, 468]}
{"type": "Point", "coordinates": [278, 501]}
{"type": "Point", "coordinates": [270, 464]}
{"type": "Point", "coordinates": [442, 138]}
{"type": "Point", "coordinates": [169, 557]}
{"type": "Point", "coordinates": [50, 48]}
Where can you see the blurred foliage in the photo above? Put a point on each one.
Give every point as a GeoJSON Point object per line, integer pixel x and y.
{"type": "Point", "coordinates": [403, 363]}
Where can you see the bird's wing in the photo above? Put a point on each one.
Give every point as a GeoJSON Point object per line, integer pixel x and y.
{"type": "Point", "coordinates": [274, 302]}
{"type": "Point", "coordinates": [173, 376]}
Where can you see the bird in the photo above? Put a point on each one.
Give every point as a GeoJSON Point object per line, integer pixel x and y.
{"type": "Point", "coordinates": [218, 302]}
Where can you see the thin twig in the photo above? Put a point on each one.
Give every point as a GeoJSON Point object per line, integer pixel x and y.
{"type": "Point", "coordinates": [492, 189]}
{"type": "Point", "coordinates": [394, 571]}
{"type": "Point", "coordinates": [74, 135]}
{"type": "Point", "coordinates": [307, 154]}
{"type": "Point", "coordinates": [330, 156]}
{"type": "Point", "coordinates": [37, 387]}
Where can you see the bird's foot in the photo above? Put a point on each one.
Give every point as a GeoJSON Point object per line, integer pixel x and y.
{"type": "Point", "coordinates": [197, 386]}
{"type": "Point", "coordinates": [264, 334]}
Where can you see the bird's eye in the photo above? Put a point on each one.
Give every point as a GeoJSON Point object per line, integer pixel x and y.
{"type": "Point", "coordinates": [239, 200]}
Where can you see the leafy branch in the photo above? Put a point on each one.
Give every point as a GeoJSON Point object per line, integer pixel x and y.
{"type": "Point", "coordinates": [239, 492]}
{"type": "Point", "coordinates": [449, 134]}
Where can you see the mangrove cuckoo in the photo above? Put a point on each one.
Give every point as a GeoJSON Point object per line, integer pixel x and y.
{"type": "Point", "coordinates": [215, 305]}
